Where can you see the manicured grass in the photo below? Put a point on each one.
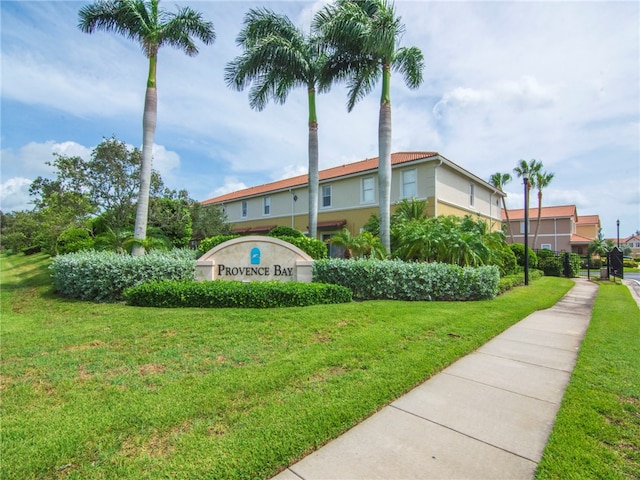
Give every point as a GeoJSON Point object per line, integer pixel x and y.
{"type": "Point", "coordinates": [597, 430]}
{"type": "Point", "coordinates": [110, 391]}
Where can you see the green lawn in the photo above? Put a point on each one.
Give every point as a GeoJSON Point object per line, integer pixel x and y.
{"type": "Point", "coordinates": [597, 431]}
{"type": "Point", "coordinates": [110, 391]}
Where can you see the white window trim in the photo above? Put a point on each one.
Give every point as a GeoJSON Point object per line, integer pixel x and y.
{"type": "Point", "coordinates": [545, 246]}
{"type": "Point", "coordinates": [403, 183]}
{"type": "Point", "coordinates": [322, 187]}
{"type": "Point", "coordinates": [372, 189]}
{"type": "Point", "coordinates": [244, 209]}
{"type": "Point", "coordinates": [266, 205]}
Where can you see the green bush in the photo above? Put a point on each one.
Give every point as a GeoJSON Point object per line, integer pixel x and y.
{"type": "Point", "coordinates": [284, 231]}
{"type": "Point", "coordinates": [316, 249]}
{"type": "Point", "coordinates": [398, 280]}
{"type": "Point", "coordinates": [510, 281]}
{"type": "Point", "coordinates": [551, 264]}
{"type": "Point", "coordinates": [103, 276]}
{"type": "Point", "coordinates": [211, 242]}
{"type": "Point", "coordinates": [518, 250]}
{"type": "Point", "coordinates": [74, 240]}
{"type": "Point", "coordinates": [629, 263]}
{"type": "Point", "coordinates": [234, 294]}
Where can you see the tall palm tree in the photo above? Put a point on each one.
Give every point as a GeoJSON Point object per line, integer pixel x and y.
{"type": "Point", "coordinates": [278, 57]}
{"type": "Point", "coordinates": [143, 21]}
{"type": "Point", "coordinates": [542, 180]}
{"type": "Point", "coordinates": [364, 35]}
{"type": "Point", "coordinates": [499, 180]}
{"type": "Point", "coordinates": [530, 168]}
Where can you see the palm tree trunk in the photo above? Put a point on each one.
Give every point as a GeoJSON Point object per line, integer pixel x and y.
{"type": "Point", "coordinates": [506, 213]}
{"type": "Point", "coordinates": [384, 161]}
{"type": "Point", "coordinates": [313, 165]}
{"type": "Point", "coordinates": [535, 237]}
{"type": "Point", "coordinates": [149, 120]}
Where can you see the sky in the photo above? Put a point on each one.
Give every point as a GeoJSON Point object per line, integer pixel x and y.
{"type": "Point", "coordinates": [554, 81]}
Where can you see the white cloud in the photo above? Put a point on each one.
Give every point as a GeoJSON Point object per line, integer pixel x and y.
{"type": "Point", "coordinates": [165, 161]}
{"type": "Point", "coordinates": [14, 194]}
{"type": "Point", "coordinates": [231, 184]}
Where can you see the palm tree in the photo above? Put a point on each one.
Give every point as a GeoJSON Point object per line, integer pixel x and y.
{"type": "Point", "coordinates": [530, 169]}
{"type": "Point", "coordinates": [278, 57]}
{"type": "Point", "coordinates": [542, 180]}
{"type": "Point", "coordinates": [364, 35]}
{"type": "Point", "coordinates": [499, 180]}
{"type": "Point", "coordinates": [144, 22]}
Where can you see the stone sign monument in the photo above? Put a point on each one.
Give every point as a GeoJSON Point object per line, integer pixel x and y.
{"type": "Point", "coordinates": [255, 259]}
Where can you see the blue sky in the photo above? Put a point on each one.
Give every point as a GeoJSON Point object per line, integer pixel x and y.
{"type": "Point", "coordinates": [504, 81]}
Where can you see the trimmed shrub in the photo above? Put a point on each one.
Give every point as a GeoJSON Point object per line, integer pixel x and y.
{"type": "Point", "coordinates": [316, 249]}
{"type": "Point", "coordinates": [284, 231]}
{"type": "Point", "coordinates": [398, 280]}
{"type": "Point", "coordinates": [210, 242]}
{"type": "Point", "coordinates": [510, 281]}
{"type": "Point", "coordinates": [103, 276]}
{"type": "Point", "coordinates": [233, 294]}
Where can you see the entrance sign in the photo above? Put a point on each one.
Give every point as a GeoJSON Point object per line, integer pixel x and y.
{"type": "Point", "coordinates": [255, 259]}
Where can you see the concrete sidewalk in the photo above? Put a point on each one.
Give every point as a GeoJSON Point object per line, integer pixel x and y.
{"type": "Point", "coordinates": [487, 416]}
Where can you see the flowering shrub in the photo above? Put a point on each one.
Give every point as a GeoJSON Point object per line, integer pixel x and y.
{"type": "Point", "coordinates": [398, 280]}
{"type": "Point", "coordinates": [234, 294]}
{"type": "Point", "coordinates": [103, 276]}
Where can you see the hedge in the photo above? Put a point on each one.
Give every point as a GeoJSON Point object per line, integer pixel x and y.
{"type": "Point", "coordinates": [235, 294]}
{"type": "Point", "coordinates": [103, 276]}
{"type": "Point", "coordinates": [398, 280]}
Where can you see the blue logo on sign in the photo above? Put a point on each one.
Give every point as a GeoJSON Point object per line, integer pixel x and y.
{"type": "Point", "coordinates": [255, 256]}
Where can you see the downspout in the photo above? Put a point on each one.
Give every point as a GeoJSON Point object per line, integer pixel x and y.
{"type": "Point", "coordinates": [435, 188]}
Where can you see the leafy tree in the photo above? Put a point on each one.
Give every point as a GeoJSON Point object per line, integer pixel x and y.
{"type": "Point", "coordinates": [278, 57]}
{"type": "Point", "coordinates": [499, 180]}
{"type": "Point", "coordinates": [207, 221]}
{"type": "Point", "coordinates": [407, 210]}
{"type": "Point", "coordinates": [364, 36]}
{"type": "Point", "coordinates": [542, 181]}
{"type": "Point", "coordinates": [19, 230]}
{"type": "Point", "coordinates": [144, 22]}
{"type": "Point", "coordinates": [170, 214]}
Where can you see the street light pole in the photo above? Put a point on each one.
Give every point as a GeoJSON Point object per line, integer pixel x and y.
{"type": "Point", "coordinates": [618, 232]}
{"type": "Point", "coordinates": [525, 177]}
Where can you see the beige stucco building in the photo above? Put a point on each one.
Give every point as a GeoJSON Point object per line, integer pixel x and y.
{"type": "Point", "coordinates": [561, 229]}
{"type": "Point", "coordinates": [348, 195]}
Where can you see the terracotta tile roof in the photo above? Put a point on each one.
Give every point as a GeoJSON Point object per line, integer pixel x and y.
{"type": "Point", "coordinates": [575, 238]}
{"type": "Point", "coordinates": [588, 220]}
{"type": "Point", "coordinates": [333, 172]}
{"type": "Point", "coordinates": [547, 212]}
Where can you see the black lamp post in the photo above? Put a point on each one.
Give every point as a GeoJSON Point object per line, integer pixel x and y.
{"type": "Point", "coordinates": [525, 176]}
{"type": "Point", "coordinates": [618, 232]}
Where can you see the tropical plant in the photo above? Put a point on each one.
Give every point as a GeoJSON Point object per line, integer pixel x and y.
{"type": "Point", "coordinates": [409, 209]}
{"type": "Point", "coordinates": [362, 245]}
{"type": "Point", "coordinates": [144, 22]}
{"type": "Point", "coordinates": [364, 37]}
{"type": "Point", "coordinates": [277, 57]}
{"type": "Point", "coordinates": [542, 180]}
{"type": "Point", "coordinates": [499, 180]}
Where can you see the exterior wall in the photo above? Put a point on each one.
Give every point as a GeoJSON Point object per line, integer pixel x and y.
{"type": "Point", "coordinates": [451, 191]}
{"type": "Point", "coordinates": [555, 232]}
{"type": "Point", "coordinates": [588, 230]}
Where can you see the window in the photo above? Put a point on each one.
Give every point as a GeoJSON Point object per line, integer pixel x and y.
{"type": "Point", "coordinates": [326, 195]}
{"type": "Point", "coordinates": [368, 190]}
{"type": "Point", "coordinates": [409, 183]}
{"type": "Point", "coordinates": [522, 227]}
{"type": "Point", "coordinates": [545, 246]}
{"type": "Point", "coordinates": [471, 194]}
{"type": "Point", "coordinates": [267, 205]}
{"type": "Point", "coordinates": [245, 209]}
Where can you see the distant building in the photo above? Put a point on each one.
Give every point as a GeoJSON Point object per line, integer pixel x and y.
{"type": "Point", "coordinates": [348, 195]}
{"type": "Point", "coordinates": [561, 229]}
{"type": "Point", "coordinates": [633, 242]}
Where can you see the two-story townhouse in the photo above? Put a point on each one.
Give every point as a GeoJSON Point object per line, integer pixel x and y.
{"type": "Point", "coordinates": [632, 242]}
{"type": "Point", "coordinates": [561, 229]}
{"type": "Point", "coordinates": [348, 195]}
